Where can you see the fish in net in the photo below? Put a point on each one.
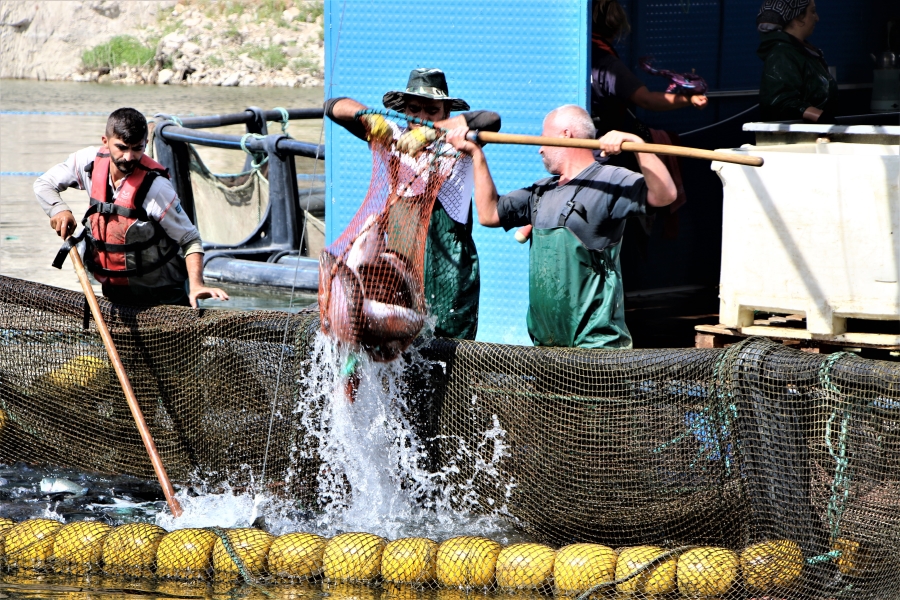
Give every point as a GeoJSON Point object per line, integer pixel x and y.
{"type": "Point", "coordinates": [371, 279]}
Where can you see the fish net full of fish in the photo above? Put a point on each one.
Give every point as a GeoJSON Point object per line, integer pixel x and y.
{"type": "Point", "coordinates": [371, 279]}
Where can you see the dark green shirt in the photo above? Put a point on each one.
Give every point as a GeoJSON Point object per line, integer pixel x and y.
{"type": "Point", "coordinates": [795, 77]}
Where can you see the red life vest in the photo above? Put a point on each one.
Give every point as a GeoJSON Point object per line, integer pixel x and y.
{"type": "Point", "coordinates": [120, 230]}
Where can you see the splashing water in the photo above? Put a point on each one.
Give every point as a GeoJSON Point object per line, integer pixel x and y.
{"type": "Point", "coordinates": [213, 510]}
{"type": "Point", "coordinates": [373, 476]}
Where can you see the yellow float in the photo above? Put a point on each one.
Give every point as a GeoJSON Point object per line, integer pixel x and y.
{"type": "Point", "coordinates": [185, 554]}
{"type": "Point", "coordinates": [130, 549]}
{"type": "Point", "coordinates": [579, 567]}
{"type": "Point", "coordinates": [297, 555]}
{"type": "Point", "coordinates": [30, 543]}
{"type": "Point", "coordinates": [250, 546]}
{"type": "Point", "coordinates": [83, 371]}
{"type": "Point", "coordinates": [467, 561]}
{"type": "Point", "coordinates": [705, 572]}
{"type": "Point", "coordinates": [5, 525]}
{"type": "Point", "coordinates": [353, 557]}
{"type": "Point", "coordinates": [409, 560]}
{"type": "Point", "coordinates": [78, 547]}
{"type": "Point", "coordinates": [851, 559]}
{"type": "Point", "coordinates": [658, 579]}
{"type": "Point", "coordinates": [776, 563]}
{"type": "Point", "coordinates": [525, 566]}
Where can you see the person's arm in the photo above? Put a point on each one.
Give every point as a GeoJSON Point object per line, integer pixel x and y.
{"type": "Point", "coordinates": [163, 206]}
{"type": "Point", "coordinates": [58, 178]}
{"type": "Point", "coordinates": [485, 191]}
{"type": "Point", "coordinates": [343, 112]}
{"type": "Point", "coordinates": [661, 189]}
{"type": "Point", "coordinates": [661, 101]}
{"type": "Point", "coordinates": [343, 109]}
{"type": "Point", "coordinates": [198, 289]}
{"type": "Point", "coordinates": [480, 120]}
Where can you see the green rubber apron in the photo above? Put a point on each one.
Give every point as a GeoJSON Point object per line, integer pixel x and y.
{"type": "Point", "coordinates": [576, 297]}
{"type": "Point", "coordinates": [452, 279]}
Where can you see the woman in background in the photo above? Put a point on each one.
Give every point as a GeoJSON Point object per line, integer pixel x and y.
{"type": "Point", "coordinates": [795, 83]}
{"type": "Point", "coordinates": [615, 90]}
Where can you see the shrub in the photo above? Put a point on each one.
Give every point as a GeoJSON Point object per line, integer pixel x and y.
{"type": "Point", "coordinates": [272, 57]}
{"type": "Point", "coordinates": [120, 50]}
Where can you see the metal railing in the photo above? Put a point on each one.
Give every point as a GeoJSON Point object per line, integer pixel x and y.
{"type": "Point", "coordinates": [280, 229]}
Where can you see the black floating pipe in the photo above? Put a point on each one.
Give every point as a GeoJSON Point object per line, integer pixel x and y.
{"type": "Point", "coordinates": [301, 273]}
{"type": "Point", "coordinates": [172, 132]}
{"type": "Point", "coordinates": [244, 117]}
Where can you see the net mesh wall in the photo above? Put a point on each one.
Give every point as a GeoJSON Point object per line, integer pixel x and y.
{"type": "Point", "coordinates": [738, 473]}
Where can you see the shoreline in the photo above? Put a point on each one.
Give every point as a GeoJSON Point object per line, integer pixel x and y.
{"type": "Point", "coordinates": [160, 42]}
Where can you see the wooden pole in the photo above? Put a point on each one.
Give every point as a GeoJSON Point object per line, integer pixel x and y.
{"type": "Point", "coordinates": [489, 137]}
{"type": "Point", "coordinates": [158, 467]}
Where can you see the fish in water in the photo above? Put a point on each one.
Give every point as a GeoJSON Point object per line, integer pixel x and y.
{"type": "Point", "coordinates": [687, 84]}
{"type": "Point", "coordinates": [59, 485]}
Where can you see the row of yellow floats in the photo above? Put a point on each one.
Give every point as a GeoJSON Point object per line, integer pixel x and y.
{"type": "Point", "coordinates": [142, 550]}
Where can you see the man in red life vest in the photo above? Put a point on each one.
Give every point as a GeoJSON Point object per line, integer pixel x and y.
{"type": "Point", "coordinates": [141, 246]}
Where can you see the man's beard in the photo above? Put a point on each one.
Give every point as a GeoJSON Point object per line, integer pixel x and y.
{"type": "Point", "coordinates": [126, 166]}
{"type": "Point", "coordinates": [547, 163]}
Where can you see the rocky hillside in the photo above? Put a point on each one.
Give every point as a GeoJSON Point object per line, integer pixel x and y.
{"type": "Point", "coordinates": [193, 42]}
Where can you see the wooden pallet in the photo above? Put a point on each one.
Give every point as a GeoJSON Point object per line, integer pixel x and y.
{"type": "Point", "coordinates": [791, 330]}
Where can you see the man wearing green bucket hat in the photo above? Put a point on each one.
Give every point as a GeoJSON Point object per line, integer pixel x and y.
{"type": "Point", "coordinates": [452, 280]}
{"type": "Point", "coordinates": [575, 292]}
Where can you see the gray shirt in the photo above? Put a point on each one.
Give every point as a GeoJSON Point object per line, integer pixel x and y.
{"type": "Point", "coordinates": [601, 196]}
{"type": "Point", "coordinates": [161, 204]}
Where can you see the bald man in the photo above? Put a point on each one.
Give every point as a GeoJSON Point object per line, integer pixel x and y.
{"type": "Point", "coordinates": [578, 214]}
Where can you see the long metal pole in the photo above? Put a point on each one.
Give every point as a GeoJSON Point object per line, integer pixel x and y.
{"type": "Point", "coordinates": [158, 467]}
{"type": "Point", "coordinates": [490, 137]}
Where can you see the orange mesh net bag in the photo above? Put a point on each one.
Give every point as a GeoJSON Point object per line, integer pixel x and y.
{"type": "Point", "coordinates": [371, 294]}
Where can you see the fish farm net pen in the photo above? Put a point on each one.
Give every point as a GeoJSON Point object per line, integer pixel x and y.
{"type": "Point", "coordinates": [749, 471]}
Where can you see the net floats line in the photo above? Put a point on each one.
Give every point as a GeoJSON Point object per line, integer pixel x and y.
{"type": "Point", "coordinates": [258, 557]}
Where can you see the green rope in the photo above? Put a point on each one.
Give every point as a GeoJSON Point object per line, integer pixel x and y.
{"type": "Point", "coordinates": [285, 119]}
{"type": "Point", "coordinates": [242, 568]}
{"type": "Point", "coordinates": [827, 557]}
{"type": "Point", "coordinates": [350, 366]}
{"type": "Point", "coordinates": [253, 164]}
{"type": "Point", "coordinates": [176, 120]}
{"type": "Point", "coordinates": [719, 416]}
{"type": "Point", "coordinates": [395, 115]}
{"type": "Point", "coordinates": [840, 486]}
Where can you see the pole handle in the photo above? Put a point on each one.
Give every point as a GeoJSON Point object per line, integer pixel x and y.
{"type": "Point", "coordinates": [119, 367]}
{"type": "Point", "coordinates": [490, 137]}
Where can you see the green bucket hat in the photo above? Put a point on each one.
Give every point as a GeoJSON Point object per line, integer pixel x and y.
{"type": "Point", "coordinates": [424, 83]}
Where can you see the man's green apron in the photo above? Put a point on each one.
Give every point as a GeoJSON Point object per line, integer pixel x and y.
{"type": "Point", "coordinates": [575, 294]}
{"type": "Point", "coordinates": [452, 281]}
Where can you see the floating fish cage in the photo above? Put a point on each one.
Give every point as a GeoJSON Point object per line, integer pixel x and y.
{"type": "Point", "coordinates": [754, 469]}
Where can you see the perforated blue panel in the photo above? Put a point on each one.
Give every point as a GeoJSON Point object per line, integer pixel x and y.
{"type": "Point", "coordinates": [520, 59]}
